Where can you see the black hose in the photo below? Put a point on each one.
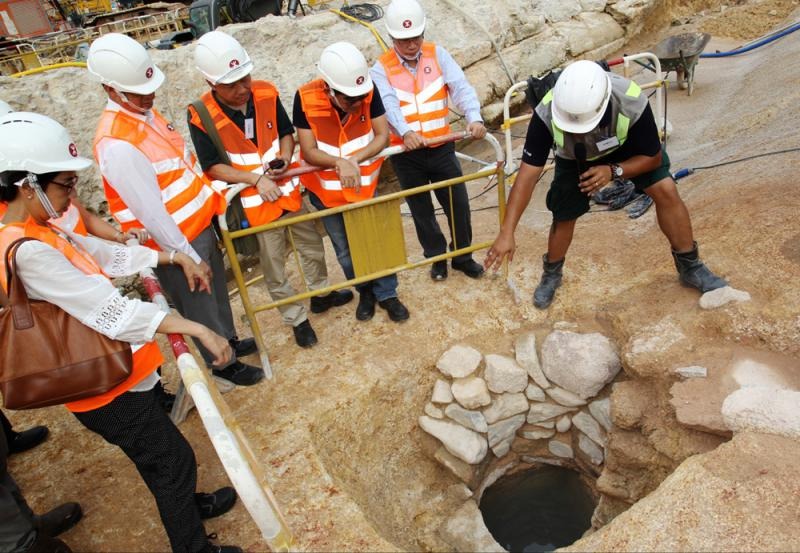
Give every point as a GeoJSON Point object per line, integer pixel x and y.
{"type": "Point", "coordinates": [364, 12]}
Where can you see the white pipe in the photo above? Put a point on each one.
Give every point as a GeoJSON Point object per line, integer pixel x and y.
{"type": "Point", "coordinates": [258, 502]}
{"type": "Point", "coordinates": [509, 166]}
{"type": "Point", "coordinates": [653, 59]}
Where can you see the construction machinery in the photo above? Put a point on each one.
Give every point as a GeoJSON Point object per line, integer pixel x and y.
{"type": "Point", "coordinates": [207, 15]}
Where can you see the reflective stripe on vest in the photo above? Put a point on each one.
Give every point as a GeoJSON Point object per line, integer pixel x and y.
{"type": "Point", "coordinates": [188, 196]}
{"type": "Point", "coordinates": [246, 156]}
{"type": "Point", "coordinates": [423, 98]}
{"type": "Point", "coordinates": [146, 357]}
{"type": "Point", "coordinates": [627, 105]}
{"type": "Point", "coordinates": [338, 141]}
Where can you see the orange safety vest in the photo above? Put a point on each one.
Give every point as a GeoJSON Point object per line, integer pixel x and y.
{"type": "Point", "coordinates": [71, 220]}
{"type": "Point", "coordinates": [186, 192]}
{"type": "Point", "coordinates": [246, 156]}
{"type": "Point", "coordinates": [146, 357]}
{"type": "Point", "coordinates": [338, 141]}
{"type": "Point", "coordinates": [423, 99]}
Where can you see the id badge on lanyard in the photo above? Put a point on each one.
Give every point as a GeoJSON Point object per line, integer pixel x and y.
{"type": "Point", "coordinates": [249, 128]}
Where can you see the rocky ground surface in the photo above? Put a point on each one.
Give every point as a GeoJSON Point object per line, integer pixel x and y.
{"type": "Point", "coordinates": [336, 430]}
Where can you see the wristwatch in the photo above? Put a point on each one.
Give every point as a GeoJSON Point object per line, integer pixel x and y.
{"type": "Point", "coordinates": [616, 170]}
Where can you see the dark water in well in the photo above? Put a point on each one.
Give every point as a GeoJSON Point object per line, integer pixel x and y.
{"type": "Point", "coordinates": [538, 510]}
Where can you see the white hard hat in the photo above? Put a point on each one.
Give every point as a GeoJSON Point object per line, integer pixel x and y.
{"type": "Point", "coordinates": [4, 108]}
{"type": "Point", "coordinates": [344, 68]}
{"type": "Point", "coordinates": [123, 64]}
{"type": "Point", "coordinates": [221, 59]}
{"type": "Point", "coordinates": [37, 144]}
{"type": "Point", "coordinates": [580, 97]}
{"type": "Point", "coordinates": [405, 19]}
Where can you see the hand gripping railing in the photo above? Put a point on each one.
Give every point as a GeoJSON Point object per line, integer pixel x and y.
{"type": "Point", "coordinates": [227, 236]}
{"type": "Point", "coordinates": [226, 435]}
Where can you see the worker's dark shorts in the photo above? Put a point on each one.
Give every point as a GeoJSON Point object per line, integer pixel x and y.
{"type": "Point", "coordinates": [566, 200]}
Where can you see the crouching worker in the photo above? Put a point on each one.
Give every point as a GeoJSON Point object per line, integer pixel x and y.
{"type": "Point", "coordinates": [603, 129]}
{"type": "Point", "coordinates": [38, 164]}
{"type": "Point", "coordinates": [341, 125]}
{"type": "Point", "coordinates": [255, 131]}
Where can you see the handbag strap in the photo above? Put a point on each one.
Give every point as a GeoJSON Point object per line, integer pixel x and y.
{"type": "Point", "coordinates": [17, 297]}
{"type": "Point", "coordinates": [211, 130]}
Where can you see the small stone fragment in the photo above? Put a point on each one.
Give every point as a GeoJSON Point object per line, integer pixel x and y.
{"type": "Point", "coordinates": [534, 434]}
{"type": "Point", "coordinates": [721, 296]}
{"type": "Point", "coordinates": [432, 411]}
{"type": "Point", "coordinates": [505, 406]}
{"type": "Point", "coordinates": [474, 420]}
{"type": "Point", "coordinates": [563, 423]}
{"type": "Point", "coordinates": [534, 393]}
{"type": "Point", "coordinates": [459, 361]}
{"type": "Point", "coordinates": [601, 411]}
{"type": "Point", "coordinates": [560, 449]}
{"type": "Point", "coordinates": [565, 397]}
{"type": "Point", "coordinates": [471, 392]}
{"type": "Point", "coordinates": [528, 359]}
{"type": "Point", "coordinates": [542, 411]}
{"type": "Point", "coordinates": [694, 371]}
{"type": "Point", "coordinates": [589, 426]}
{"type": "Point", "coordinates": [504, 375]}
{"type": "Point", "coordinates": [593, 451]}
{"type": "Point", "coordinates": [501, 434]}
{"type": "Point", "coordinates": [441, 392]}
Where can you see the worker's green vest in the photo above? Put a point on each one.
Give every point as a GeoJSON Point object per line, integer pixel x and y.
{"type": "Point", "coordinates": [627, 105]}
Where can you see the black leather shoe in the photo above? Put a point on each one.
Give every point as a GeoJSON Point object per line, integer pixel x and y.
{"type": "Point", "coordinates": [320, 304]}
{"type": "Point", "coordinates": [243, 347]}
{"type": "Point", "coordinates": [43, 543]}
{"type": "Point", "coordinates": [304, 335]}
{"type": "Point", "coordinates": [471, 268]}
{"type": "Point", "coordinates": [214, 548]}
{"type": "Point", "coordinates": [396, 310]}
{"type": "Point", "coordinates": [215, 504]}
{"type": "Point", "coordinates": [57, 521]}
{"type": "Point", "coordinates": [366, 306]}
{"type": "Point", "coordinates": [240, 373]}
{"type": "Point", "coordinates": [27, 439]}
{"type": "Point", "coordinates": [439, 270]}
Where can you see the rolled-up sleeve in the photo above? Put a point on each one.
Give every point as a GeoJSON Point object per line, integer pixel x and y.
{"type": "Point", "coordinates": [92, 299]}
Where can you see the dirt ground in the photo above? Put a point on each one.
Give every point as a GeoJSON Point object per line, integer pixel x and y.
{"type": "Point", "coordinates": [336, 428]}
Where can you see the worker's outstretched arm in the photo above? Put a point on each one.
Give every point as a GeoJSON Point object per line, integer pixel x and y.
{"type": "Point", "coordinates": [518, 200]}
{"type": "Point", "coordinates": [347, 169]}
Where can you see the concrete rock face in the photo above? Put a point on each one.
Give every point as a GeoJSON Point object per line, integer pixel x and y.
{"type": "Point", "coordinates": [739, 497]}
{"type": "Point", "coordinates": [764, 410]}
{"type": "Point", "coordinates": [504, 375]}
{"type": "Point", "coordinates": [579, 363]}
{"type": "Point", "coordinates": [465, 444]}
{"type": "Point", "coordinates": [459, 361]}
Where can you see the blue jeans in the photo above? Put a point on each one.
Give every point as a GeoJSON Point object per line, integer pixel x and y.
{"type": "Point", "coordinates": [384, 287]}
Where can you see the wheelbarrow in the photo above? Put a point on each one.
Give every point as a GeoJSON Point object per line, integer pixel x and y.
{"type": "Point", "coordinates": [680, 53]}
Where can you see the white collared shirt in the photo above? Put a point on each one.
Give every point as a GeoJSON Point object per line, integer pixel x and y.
{"type": "Point", "coordinates": [131, 174]}
{"type": "Point", "coordinates": [461, 93]}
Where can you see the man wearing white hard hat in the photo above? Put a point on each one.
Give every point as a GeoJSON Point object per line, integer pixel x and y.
{"type": "Point", "coordinates": [415, 79]}
{"type": "Point", "coordinates": [258, 140]}
{"type": "Point", "coordinates": [153, 181]}
{"type": "Point", "coordinates": [341, 125]}
{"type": "Point", "coordinates": [603, 129]}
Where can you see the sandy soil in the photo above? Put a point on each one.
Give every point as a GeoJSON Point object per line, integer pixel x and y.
{"type": "Point", "coordinates": [336, 429]}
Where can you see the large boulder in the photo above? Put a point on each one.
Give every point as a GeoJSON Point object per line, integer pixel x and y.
{"type": "Point", "coordinates": [579, 363]}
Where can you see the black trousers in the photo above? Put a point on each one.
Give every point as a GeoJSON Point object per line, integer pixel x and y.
{"type": "Point", "coordinates": [425, 166]}
{"type": "Point", "coordinates": [136, 423]}
{"type": "Point", "coordinates": [16, 518]}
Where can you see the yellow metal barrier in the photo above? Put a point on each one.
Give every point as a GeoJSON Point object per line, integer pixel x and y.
{"type": "Point", "coordinates": [362, 214]}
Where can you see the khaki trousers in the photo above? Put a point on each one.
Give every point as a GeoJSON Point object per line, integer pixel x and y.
{"type": "Point", "coordinates": [275, 246]}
